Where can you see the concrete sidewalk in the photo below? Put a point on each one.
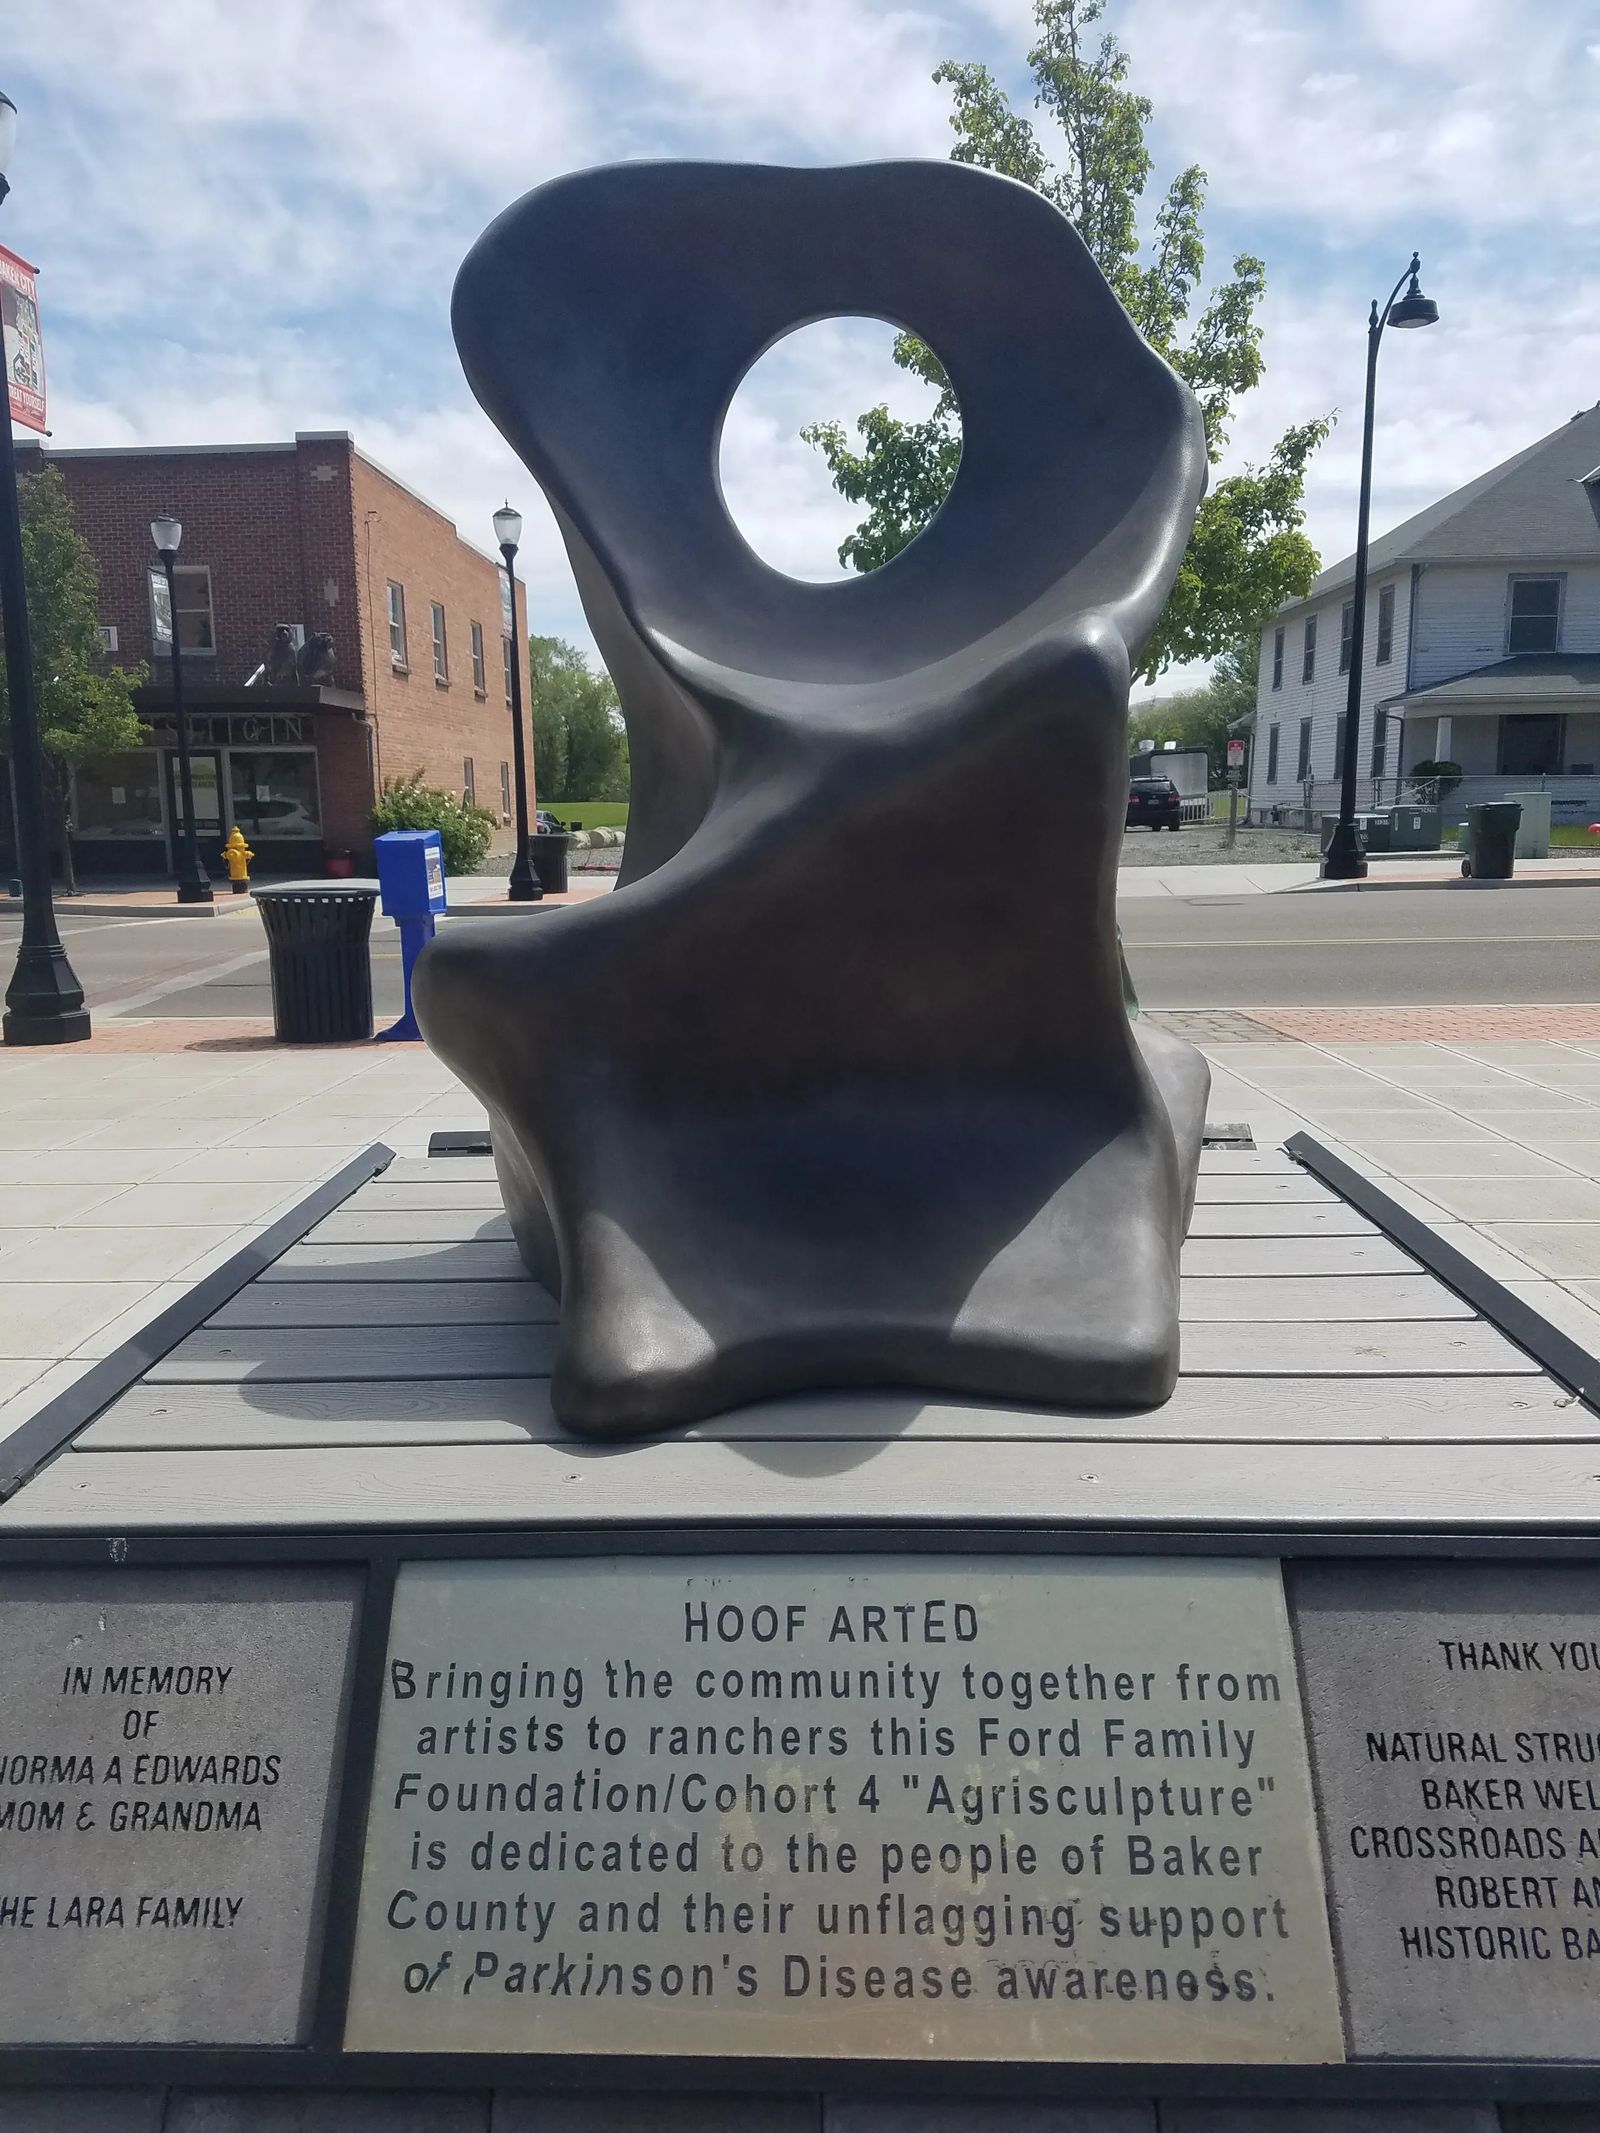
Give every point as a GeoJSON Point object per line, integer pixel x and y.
{"type": "Point", "coordinates": [126, 1173]}
{"type": "Point", "coordinates": [1245, 879]}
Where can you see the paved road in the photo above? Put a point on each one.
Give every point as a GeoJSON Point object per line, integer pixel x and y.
{"type": "Point", "coordinates": [1435, 945]}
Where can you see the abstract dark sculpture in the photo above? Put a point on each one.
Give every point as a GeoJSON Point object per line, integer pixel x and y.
{"type": "Point", "coordinates": [812, 1100]}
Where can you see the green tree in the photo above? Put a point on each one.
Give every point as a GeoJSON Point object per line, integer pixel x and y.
{"type": "Point", "coordinates": [1207, 717]}
{"type": "Point", "coordinates": [1248, 553]}
{"type": "Point", "coordinates": [85, 708]}
{"type": "Point", "coordinates": [580, 748]}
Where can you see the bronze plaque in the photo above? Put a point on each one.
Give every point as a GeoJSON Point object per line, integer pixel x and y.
{"type": "Point", "coordinates": [844, 1808]}
{"type": "Point", "coordinates": [1455, 1727]}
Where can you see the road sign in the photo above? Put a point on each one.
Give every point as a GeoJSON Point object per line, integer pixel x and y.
{"type": "Point", "coordinates": [1236, 755]}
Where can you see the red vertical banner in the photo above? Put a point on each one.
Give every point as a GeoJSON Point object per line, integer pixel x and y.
{"type": "Point", "coordinates": [24, 345]}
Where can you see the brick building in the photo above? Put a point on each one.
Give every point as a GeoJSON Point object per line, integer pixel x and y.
{"type": "Point", "coordinates": [314, 535]}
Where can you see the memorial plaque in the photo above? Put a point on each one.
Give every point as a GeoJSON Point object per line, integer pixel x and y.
{"type": "Point", "coordinates": [900, 1808]}
{"type": "Point", "coordinates": [1455, 1727]}
{"type": "Point", "coordinates": [166, 1800]}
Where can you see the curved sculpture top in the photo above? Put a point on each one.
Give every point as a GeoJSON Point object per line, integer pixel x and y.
{"type": "Point", "coordinates": [798, 1105]}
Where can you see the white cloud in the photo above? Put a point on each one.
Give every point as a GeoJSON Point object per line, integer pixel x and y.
{"type": "Point", "coordinates": [1471, 109]}
{"type": "Point", "coordinates": [822, 79]}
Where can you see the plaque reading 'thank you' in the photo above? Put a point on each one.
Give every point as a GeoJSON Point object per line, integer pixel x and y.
{"type": "Point", "coordinates": [1455, 1723]}
{"type": "Point", "coordinates": [167, 1776]}
{"type": "Point", "coordinates": [841, 1807]}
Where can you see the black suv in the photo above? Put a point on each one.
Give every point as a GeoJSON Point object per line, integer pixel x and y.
{"type": "Point", "coordinates": [1154, 803]}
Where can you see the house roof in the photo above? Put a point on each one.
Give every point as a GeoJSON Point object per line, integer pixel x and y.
{"type": "Point", "coordinates": [1562, 680]}
{"type": "Point", "coordinates": [1540, 506]}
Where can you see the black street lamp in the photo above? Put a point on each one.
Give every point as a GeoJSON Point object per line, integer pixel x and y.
{"type": "Point", "coordinates": [524, 886]}
{"type": "Point", "coordinates": [194, 883]}
{"type": "Point", "coordinates": [44, 1001]}
{"type": "Point", "coordinates": [1344, 859]}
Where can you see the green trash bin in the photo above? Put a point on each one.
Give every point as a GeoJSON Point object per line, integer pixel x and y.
{"type": "Point", "coordinates": [1492, 840]}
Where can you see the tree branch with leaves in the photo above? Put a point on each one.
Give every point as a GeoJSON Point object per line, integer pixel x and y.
{"type": "Point", "coordinates": [85, 708]}
{"type": "Point", "coordinates": [1248, 553]}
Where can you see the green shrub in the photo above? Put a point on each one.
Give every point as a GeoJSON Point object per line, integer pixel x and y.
{"type": "Point", "coordinates": [1435, 781]}
{"type": "Point", "coordinates": [465, 832]}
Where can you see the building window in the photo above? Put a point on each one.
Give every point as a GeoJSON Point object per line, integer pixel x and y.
{"type": "Point", "coordinates": [1385, 650]}
{"type": "Point", "coordinates": [397, 627]}
{"type": "Point", "coordinates": [505, 654]}
{"type": "Point", "coordinates": [1308, 657]}
{"type": "Point", "coordinates": [1347, 630]}
{"type": "Point", "coordinates": [479, 685]}
{"type": "Point", "coordinates": [1303, 767]}
{"type": "Point", "coordinates": [1531, 744]}
{"type": "Point", "coordinates": [275, 795]}
{"type": "Point", "coordinates": [1272, 750]}
{"type": "Point", "coordinates": [196, 635]}
{"type": "Point", "coordinates": [469, 782]}
{"type": "Point", "coordinates": [505, 790]}
{"type": "Point", "coordinates": [1534, 620]}
{"type": "Point", "coordinates": [441, 658]}
{"type": "Point", "coordinates": [1380, 738]}
{"type": "Point", "coordinates": [1277, 658]}
{"type": "Point", "coordinates": [117, 796]}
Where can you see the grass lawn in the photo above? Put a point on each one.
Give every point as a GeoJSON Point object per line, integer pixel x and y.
{"type": "Point", "coordinates": [591, 814]}
{"type": "Point", "coordinates": [1572, 837]}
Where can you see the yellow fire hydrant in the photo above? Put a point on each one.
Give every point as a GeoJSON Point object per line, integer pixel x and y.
{"type": "Point", "coordinates": [237, 856]}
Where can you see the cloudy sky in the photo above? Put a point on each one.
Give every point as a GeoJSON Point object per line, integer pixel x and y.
{"type": "Point", "coordinates": [249, 216]}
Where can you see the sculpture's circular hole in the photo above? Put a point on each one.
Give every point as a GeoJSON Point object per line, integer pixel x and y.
{"type": "Point", "coordinates": [781, 486]}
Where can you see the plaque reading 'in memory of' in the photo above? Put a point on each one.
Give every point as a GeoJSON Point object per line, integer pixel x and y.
{"type": "Point", "coordinates": [1455, 1725]}
{"type": "Point", "coordinates": [833, 1807]}
{"type": "Point", "coordinates": [166, 1800]}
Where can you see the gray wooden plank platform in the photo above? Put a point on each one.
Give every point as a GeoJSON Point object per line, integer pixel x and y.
{"type": "Point", "coordinates": [392, 1369]}
{"type": "Point", "coordinates": [676, 1481]}
{"type": "Point", "coordinates": [517, 1410]}
{"type": "Point", "coordinates": [388, 1303]}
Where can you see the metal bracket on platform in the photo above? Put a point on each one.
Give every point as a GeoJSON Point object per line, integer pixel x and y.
{"type": "Point", "coordinates": [1554, 1351]}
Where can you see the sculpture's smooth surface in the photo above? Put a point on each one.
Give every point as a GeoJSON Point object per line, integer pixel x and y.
{"type": "Point", "coordinates": [822, 1096]}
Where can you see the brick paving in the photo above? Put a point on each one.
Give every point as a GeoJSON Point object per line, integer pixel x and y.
{"type": "Point", "coordinates": [1422, 1025]}
{"type": "Point", "coordinates": [1217, 1025]}
{"type": "Point", "coordinates": [178, 1033]}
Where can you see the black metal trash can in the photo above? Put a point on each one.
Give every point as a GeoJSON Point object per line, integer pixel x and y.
{"type": "Point", "coordinates": [1492, 839]}
{"type": "Point", "coordinates": [317, 934]}
{"type": "Point", "coordinates": [549, 850]}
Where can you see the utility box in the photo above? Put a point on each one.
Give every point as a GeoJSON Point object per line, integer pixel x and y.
{"type": "Point", "coordinates": [1374, 831]}
{"type": "Point", "coordinates": [1415, 829]}
{"type": "Point", "coordinates": [410, 873]}
{"type": "Point", "coordinates": [1533, 832]}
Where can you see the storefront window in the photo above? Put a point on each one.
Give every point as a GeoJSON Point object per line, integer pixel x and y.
{"type": "Point", "coordinates": [118, 796]}
{"type": "Point", "coordinates": [275, 795]}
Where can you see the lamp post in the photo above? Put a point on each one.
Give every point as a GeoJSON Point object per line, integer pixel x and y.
{"type": "Point", "coordinates": [44, 1001]}
{"type": "Point", "coordinates": [194, 884]}
{"type": "Point", "coordinates": [1344, 859]}
{"type": "Point", "coordinates": [524, 886]}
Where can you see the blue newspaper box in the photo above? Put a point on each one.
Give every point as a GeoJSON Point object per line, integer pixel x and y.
{"type": "Point", "coordinates": [411, 890]}
{"type": "Point", "coordinates": [410, 873]}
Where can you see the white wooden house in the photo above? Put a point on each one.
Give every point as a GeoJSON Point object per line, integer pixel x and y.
{"type": "Point", "coordinates": [1482, 648]}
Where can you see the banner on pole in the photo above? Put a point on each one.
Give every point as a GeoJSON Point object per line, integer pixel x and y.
{"type": "Point", "coordinates": [24, 346]}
